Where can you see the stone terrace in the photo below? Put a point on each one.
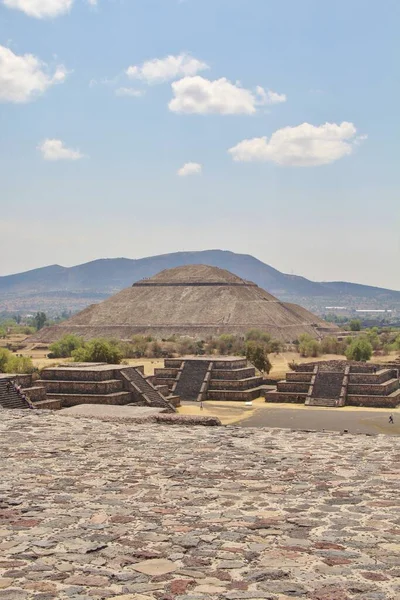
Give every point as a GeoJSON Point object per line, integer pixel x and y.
{"type": "Point", "coordinates": [104, 510]}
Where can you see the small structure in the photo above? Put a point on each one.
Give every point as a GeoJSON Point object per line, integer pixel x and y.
{"type": "Point", "coordinates": [72, 384]}
{"type": "Point", "coordinates": [210, 378]}
{"type": "Point", "coordinates": [338, 383]}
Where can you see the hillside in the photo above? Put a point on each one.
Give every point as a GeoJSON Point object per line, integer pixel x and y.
{"type": "Point", "coordinates": [55, 288]}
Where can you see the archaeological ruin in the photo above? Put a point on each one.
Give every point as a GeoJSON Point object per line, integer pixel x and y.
{"type": "Point", "coordinates": [338, 384]}
{"type": "Point", "coordinates": [210, 378]}
{"type": "Point", "coordinates": [197, 301]}
{"type": "Point", "coordinates": [73, 384]}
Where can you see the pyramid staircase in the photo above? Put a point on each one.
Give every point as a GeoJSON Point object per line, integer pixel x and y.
{"type": "Point", "coordinates": [212, 378]}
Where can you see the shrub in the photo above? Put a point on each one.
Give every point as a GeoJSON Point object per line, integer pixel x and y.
{"type": "Point", "coordinates": [9, 363]}
{"type": "Point", "coordinates": [355, 325]}
{"type": "Point", "coordinates": [360, 350]}
{"type": "Point", "coordinates": [98, 351]}
{"type": "Point", "coordinates": [65, 346]}
{"type": "Point", "coordinates": [257, 355]}
{"type": "Point", "coordinates": [308, 346]}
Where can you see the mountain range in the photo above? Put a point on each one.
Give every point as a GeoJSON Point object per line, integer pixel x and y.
{"type": "Point", "coordinates": [56, 288]}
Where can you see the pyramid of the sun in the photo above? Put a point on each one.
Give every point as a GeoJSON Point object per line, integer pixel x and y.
{"type": "Point", "coordinates": [194, 300]}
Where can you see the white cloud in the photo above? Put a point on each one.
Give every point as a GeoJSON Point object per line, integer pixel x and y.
{"type": "Point", "coordinates": [190, 169]}
{"type": "Point", "coordinates": [55, 150]}
{"type": "Point", "coordinates": [92, 2]}
{"type": "Point", "coordinates": [269, 97]}
{"type": "Point", "coordinates": [197, 95]}
{"type": "Point", "coordinates": [171, 67]}
{"type": "Point", "coordinates": [302, 146]}
{"type": "Point", "coordinates": [41, 9]}
{"type": "Point", "coordinates": [24, 77]}
{"type": "Point", "coordinates": [124, 91]}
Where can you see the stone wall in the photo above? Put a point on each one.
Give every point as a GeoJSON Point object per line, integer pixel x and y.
{"type": "Point", "coordinates": [243, 384]}
{"type": "Point", "coordinates": [82, 387]}
{"type": "Point", "coordinates": [234, 373]}
{"type": "Point", "coordinates": [293, 386]}
{"type": "Point", "coordinates": [285, 398]}
{"type": "Point", "coordinates": [375, 402]}
{"type": "Point", "coordinates": [371, 378]}
{"type": "Point", "coordinates": [374, 390]}
{"type": "Point", "coordinates": [304, 377]}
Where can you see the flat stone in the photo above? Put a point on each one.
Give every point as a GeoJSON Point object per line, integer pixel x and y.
{"type": "Point", "coordinates": [155, 566]}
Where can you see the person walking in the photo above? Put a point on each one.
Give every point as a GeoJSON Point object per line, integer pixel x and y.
{"type": "Point", "coordinates": [391, 420]}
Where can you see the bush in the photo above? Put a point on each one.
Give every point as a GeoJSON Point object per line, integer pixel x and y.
{"type": "Point", "coordinates": [360, 350]}
{"type": "Point", "coordinates": [355, 325]}
{"type": "Point", "coordinates": [256, 354]}
{"type": "Point", "coordinates": [9, 363]}
{"type": "Point", "coordinates": [65, 346]}
{"type": "Point", "coordinates": [98, 351]}
{"type": "Point", "coordinates": [308, 346]}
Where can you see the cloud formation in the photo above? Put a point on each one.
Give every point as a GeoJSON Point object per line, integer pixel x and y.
{"type": "Point", "coordinates": [190, 168]}
{"type": "Point", "coordinates": [24, 77]}
{"type": "Point", "coordinates": [302, 146]}
{"type": "Point", "coordinates": [41, 9]}
{"type": "Point", "coordinates": [125, 91]}
{"type": "Point", "coordinates": [160, 70]}
{"type": "Point", "coordinates": [55, 150]}
{"type": "Point", "coordinates": [197, 95]}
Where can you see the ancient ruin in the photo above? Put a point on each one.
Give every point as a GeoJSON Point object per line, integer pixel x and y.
{"type": "Point", "coordinates": [196, 300]}
{"type": "Point", "coordinates": [210, 378]}
{"type": "Point", "coordinates": [339, 384]}
{"type": "Point", "coordinates": [73, 384]}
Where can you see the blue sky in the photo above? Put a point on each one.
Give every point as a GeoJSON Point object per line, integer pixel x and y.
{"type": "Point", "coordinates": [202, 157]}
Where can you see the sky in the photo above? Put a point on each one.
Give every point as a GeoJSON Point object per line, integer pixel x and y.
{"type": "Point", "coordinates": [142, 127]}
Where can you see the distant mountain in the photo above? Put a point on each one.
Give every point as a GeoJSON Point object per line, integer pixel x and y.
{"type": "Point", "coordinates": [56, 288]}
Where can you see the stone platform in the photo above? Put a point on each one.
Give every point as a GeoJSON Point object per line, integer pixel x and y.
{"type": "Point", "coordinates": [210, 378]}
{"type": "Point", "coordinates": [339, 385]}
{"type": "Point", "coordinates": [106, 510]}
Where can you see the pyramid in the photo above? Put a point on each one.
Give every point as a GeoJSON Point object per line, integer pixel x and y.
{"type": "Point", "coordinates": [193, 300]}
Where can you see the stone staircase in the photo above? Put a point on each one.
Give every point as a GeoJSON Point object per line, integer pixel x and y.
{"type": "Point", "coordinates": [10, 398]}
{"type": "Point", "coordinates": [326, 390]}
{"type": "Point", "coordinates": [143, 390]}
{"type": "Point", "coordinates": [191, 379]}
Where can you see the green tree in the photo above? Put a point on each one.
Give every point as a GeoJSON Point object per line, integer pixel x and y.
{"type": "Point", "coordinates": [98, 351]}
{"type": "Point", "coordinates": [65, 346]}
{"type": "Point", "coordinates": [257, 355]}
{"type": "Point", "coordinates": [40, 320]}
{"type": "Point", "coordinates": [4, 358]}
{"type": "Point", "coordinates": [308, 346]}
{"type": "Point", "coordinates": [360, 350]}
{"type": "Point", "coordinates": [355, 325]}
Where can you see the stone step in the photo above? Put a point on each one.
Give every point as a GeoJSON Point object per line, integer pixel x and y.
{"type": "Point", "coordinates": [48, 405]}
{"type": "Point", "coordinates": [119, 399]}
{"type": "Point", "coordinates": [235, 384]}
{"type": "Point", "coordinates": [108, 386]}
{"type": "Point", "coordinates": [285, 397]}
{"type": "Point", "coordinates": [323, 402]}
{"type": "Point", "coordinates": [237, 395]}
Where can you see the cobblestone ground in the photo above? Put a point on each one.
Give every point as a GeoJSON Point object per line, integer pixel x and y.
{"type": "Point", "coordinates": [92, 509]}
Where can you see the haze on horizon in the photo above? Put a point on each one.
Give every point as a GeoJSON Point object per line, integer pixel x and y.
{"type": "Point", "coordinates": [265, 127]}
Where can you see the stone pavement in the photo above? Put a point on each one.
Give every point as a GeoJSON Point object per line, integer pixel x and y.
{"type": "Point", "coordinates": [92, 509]}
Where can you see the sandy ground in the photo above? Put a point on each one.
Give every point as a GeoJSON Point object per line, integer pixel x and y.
{"type": "Point", "coordinates": [288, 416]}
